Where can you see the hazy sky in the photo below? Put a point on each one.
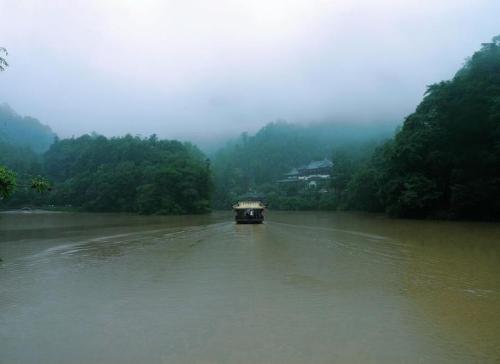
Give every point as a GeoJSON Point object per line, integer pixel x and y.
{"type": "Point", "coordinates": [193, 69]}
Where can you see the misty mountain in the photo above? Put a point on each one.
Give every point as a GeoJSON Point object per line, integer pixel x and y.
{"type": "Point", "coordinates": [253, 161]}
{"type": "Point", "coordinates": [24, 131]}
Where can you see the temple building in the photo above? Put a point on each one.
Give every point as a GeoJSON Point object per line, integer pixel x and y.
{"type": "Point", "coordinates": [314, 174]}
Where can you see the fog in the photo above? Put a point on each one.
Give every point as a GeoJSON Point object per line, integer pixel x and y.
{"type": "Point", "coordinates": [205, 70]}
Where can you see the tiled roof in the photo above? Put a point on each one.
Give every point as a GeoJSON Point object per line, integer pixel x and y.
{"type": "Point", "coordinates": [251, 196]}
{"type": "Point", "coordinates": [325, 163]}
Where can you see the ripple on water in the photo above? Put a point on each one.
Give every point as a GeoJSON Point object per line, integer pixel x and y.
{"type": "Point", "coordinates": [294, 290]}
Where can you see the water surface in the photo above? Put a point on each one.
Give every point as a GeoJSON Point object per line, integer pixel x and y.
{"type": "Point", "coordinates": [301, 288]}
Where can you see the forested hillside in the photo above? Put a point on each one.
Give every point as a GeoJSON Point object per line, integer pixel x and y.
{"type": "Point", "coordinates": [24, 131]}
{"type": "Point", "coordinates": [445, 160]}
{"type": "Point", "coordinates": [128, 174]}
{"type": "Point", "coordinates": [94, 173]}
{"type": "Point", "coordinates": [256, 162]}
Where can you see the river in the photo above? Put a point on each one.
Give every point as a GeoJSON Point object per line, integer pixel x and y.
{"type": "Point", "coordinates": [301, 288]}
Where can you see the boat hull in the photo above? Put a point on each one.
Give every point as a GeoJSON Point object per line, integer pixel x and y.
{"type": "Point", "coordinates": [249, 221]}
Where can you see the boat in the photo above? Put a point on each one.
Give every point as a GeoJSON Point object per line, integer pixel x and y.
{"type": "Point", "coordinates": [249, 212]}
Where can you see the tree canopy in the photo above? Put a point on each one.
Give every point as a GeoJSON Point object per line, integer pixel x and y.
{"type": "Point", "coordinates": [128, 174]}
{"type": "Point", "coordinates": [7, 182]}
{"type": "Point", "coordinates": [257, 162]}
{"type": "Point", "coordinates": [445, 160]}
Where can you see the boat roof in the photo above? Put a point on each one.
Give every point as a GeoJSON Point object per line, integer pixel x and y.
{"type": "Point", "coordinates": [248, 205]}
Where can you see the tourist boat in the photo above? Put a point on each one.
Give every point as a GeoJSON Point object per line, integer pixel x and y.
{"type": "Point", "coordinates": [249, 212]}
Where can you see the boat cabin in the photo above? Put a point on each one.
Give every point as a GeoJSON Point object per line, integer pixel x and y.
{"type": "Point", "coordinates": [249, 212]}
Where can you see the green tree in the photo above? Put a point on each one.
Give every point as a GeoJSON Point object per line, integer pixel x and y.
{"type": "Point", "coordinates": [7, 182]}
{"type": "Point", "coordinates": [7, 177]}
{"type": "Point", "coordinates": [255, 162]}
{"type": "Point", "coordinates": [444, 161]}
{"type": "Point", "coordinates": [342, 173]}
{"type": "Point", "coordinates": [40, 184]}
{"type": "Point", "coordinates": [129, 174]}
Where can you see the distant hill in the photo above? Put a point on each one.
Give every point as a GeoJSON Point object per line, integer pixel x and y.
{"type": "Point", "coordinates": [251, 162]}
{"type": "Point", "coordinates": [24, 131]}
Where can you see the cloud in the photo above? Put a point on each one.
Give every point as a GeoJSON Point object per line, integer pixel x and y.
{"type": "Point", "coordinates": [206, 68]}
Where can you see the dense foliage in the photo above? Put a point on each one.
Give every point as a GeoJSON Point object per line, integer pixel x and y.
{"type": "Point", "coordinates": [21, 141]}
{"type": "Point", "coordinates": [7, 182]}
{"type": "Point", "coordinates": [128, 174]}
{"type": "Point", "coordinates": [445, 160]}
{"type": "Point", "coordinates": [256, 162]}
{"type": "Point", "coordinates": [94, 173]}
{"type": "Point", "coordinates": [25, 165]}
{"type": "Point", "coordinates": [24, 131]}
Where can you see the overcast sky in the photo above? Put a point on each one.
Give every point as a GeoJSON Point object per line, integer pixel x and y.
{"type": "Point", "coordinates": [198, 69]}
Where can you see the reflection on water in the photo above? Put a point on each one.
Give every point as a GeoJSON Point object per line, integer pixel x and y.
{"type": "Point", "coordinates": [301, 288]}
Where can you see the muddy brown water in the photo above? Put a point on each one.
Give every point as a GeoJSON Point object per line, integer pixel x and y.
{"type": "Point", "coordinates": [301, 288]}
